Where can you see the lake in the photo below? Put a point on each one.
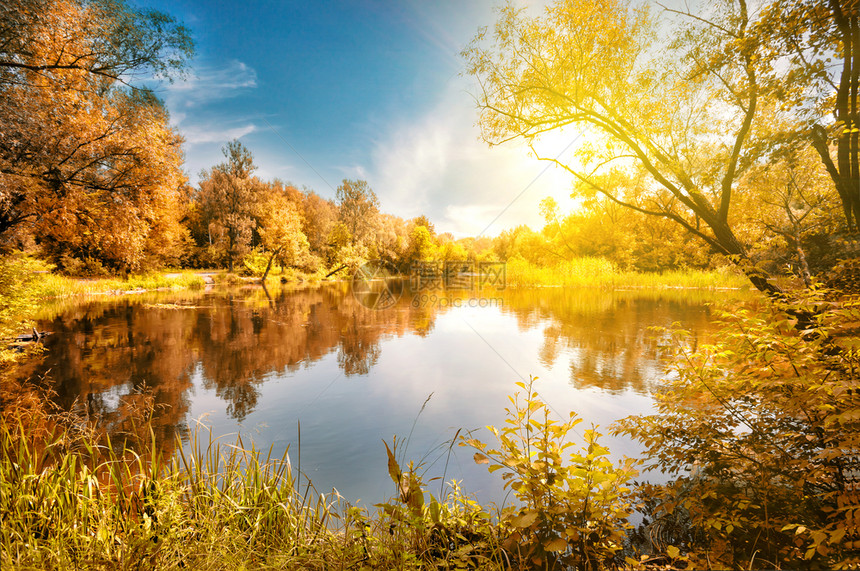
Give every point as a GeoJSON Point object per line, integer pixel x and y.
{"type": "Point", "coordinates": [352, 373]}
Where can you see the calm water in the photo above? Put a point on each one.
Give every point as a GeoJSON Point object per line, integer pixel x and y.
{"type": "Point", "coordinates": [258, 363]}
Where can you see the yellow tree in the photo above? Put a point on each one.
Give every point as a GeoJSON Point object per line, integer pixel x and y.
{"type": "Point", "coordinates": [814, 48]}
{"type": "Point", "coordinates": [668, 124]}
{"type": "Point", "coordinates": [319, 217]}
{"type": "Point", "coordinates": [280, 230]}
{"type": "Point", "coordinates": [789, 209]}
{"type": "Point", "coordinates": [358, 208]}
{"type": "Point", "coordinates": [421, 248]}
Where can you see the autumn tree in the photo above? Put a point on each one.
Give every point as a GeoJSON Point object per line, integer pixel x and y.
{"type": "Point", "coordinates": [88, 162]}
{"type": "Point", "coordinates": [424, 221]}
{"type": "Point", "coordinates": [668, 124]}
{"type": "Point", "coordinates": [506, 242]}
{"type": "Point", "coordinates": [280, 229]}
{"type": "Point", "coordinates": [479, 249]}
{"type": "Point", "coordinates": [421, 248]}
{"type": "Point", "coordinates": [357, 208]}
{"type": "Point", "coordinates": [813, 51]}
{"type": "Point", "coordinates": [392, 239]}
{"type": "Point", "coordinates": [789, 211]}
{"type": "Point", "coordinates": [319, 216]}
{"type": "Point", "coordinates": [228, 200]}
{"type": "Point", "coordinates": [450, 250]}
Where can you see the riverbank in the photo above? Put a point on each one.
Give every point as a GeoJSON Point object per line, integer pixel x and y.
{"type": "Point", "coordinates": [55, 286]}
{"type": "Point", "coordinates": [580, 273]}
{"type": "Point", "coordinates": [47, 285]}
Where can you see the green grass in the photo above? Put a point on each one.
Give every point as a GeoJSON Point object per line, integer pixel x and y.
{"type": "Point", "coordinates": [601, 273]}
{"type": "Point", "coordinates": [53, 285]}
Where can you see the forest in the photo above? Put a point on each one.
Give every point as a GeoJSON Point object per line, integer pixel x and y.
{"type": "Point", "coordinates": [93, 181]}
{"type": "Point", "coordinates": [724, 141]}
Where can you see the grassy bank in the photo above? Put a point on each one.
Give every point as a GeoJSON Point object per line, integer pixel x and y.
{"type": "Point", "coordinates": [72, 499]}
{"type": "Point", "coordinates": [53, 285]}
{"type": "Point", "coordinates": [600, 273]}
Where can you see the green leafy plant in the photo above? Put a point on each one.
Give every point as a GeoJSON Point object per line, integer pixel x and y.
{"type": "Point", "coordinates": [574, 506]}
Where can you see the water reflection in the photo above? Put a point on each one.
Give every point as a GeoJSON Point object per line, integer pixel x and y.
{"type": "Point", "coordinates": [354, 375]}
{"type": "Point", "coordinates": [608, 337]}
{"type": "Point", "coordinates": [237, 340]}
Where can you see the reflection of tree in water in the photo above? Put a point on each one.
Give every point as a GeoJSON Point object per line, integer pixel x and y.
{"type": "Point", "coordinates": [257, 335]}
{"type": "Point", "coordinates": [357, 351]}
{"type": "Point", "coordinates": [109, 361]}
{"type": "Point", "coordinates": [606, 335]}
{"type": "Point", "coordinates": [103, 355]}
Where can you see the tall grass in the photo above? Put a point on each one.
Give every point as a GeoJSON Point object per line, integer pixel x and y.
{"type": "Point", "coordinates": [71, 498]}
{"type": "Point", "coordinates": [75, 502]}
{"type": "Point", "coordinates": [53, 285]}
{"type": "Point", "coordinates": [601, 273]}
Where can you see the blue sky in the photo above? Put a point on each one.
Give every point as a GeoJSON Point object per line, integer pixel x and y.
{"type": "Point", "coordinates": [322, 91]}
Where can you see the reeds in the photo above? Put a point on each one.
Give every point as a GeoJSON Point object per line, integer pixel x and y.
{"type": "Point", "coordinates": [72, 498]}
{"type": "Point", "coordinates": [600, 273]}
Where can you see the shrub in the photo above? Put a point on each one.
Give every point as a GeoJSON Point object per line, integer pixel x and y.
{"type": "Point", "coordinates": [574, 509]}
{"type": "Point", "coordinates": [455, 533]}
{"type": "Point", "coordinates": [766, 426]}
{"type": "Point", "coordinates": [86, 267]}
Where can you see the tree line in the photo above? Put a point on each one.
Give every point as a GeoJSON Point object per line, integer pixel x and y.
{"type": "Point", "coordinates": [740, 132]}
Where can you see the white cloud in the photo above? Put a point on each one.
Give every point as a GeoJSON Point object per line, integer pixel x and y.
{"type": "Point", "coordinates": [435, 165]}
{"type": "Point", "coordinates": [471, 219]}
{"type": "Point", "coordinates": [205, 130]}
{"type": "Point", "coordinates": [212, 82]}
{"type": "Point", "coordinates": [195, 134]}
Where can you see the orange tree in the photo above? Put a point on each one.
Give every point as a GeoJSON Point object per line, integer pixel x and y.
{"type": "Point", "coordinates": [88, 162]}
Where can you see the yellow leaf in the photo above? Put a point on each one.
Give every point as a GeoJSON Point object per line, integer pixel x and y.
{"type": "Point", "coordinates": [393, 466]}
{"type": "Point", "coordinates": [673, 552]}
{"type": "Point", "coordinates": [524, 520]}
{"type": "Point", "coordinates": [557, 544]}
{"type": "Point", "coordinates": [481, 458]}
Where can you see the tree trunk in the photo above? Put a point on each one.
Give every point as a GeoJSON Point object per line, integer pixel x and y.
{"type": "Point", "coordinates": [269, 265]}
{"type": "Point", "coordinates": [333, 272]}
{"type": "Point", "coordinates": [845, 172]}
